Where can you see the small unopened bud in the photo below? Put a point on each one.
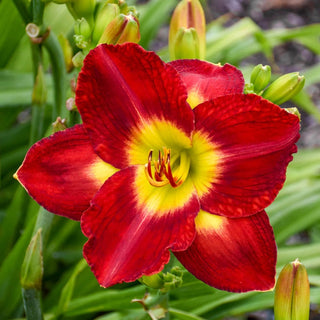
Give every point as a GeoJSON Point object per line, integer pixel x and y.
{"type": "Point", "coordinates": [82, 27]}
{"type": "Point", "coordinates": [186, 44]}
{"type": "Point", "coordinates": [39, 93]}
{"type": "Point", "coordinates": [292, 293]}
{"type": "Point", "coordinates": [164, 281]}
{"type": "Point", "coordinates": [260, 77]}
{"type": "Point", "coordinates": [123, 28]}
{"type": "Point", "coordinates": [32, 266]}
{"type": "Point", "coordinates": [82, 9]}
{"type": "Point", "coordinates": [248, 88]}
{"type": "Point", "coordinates": [284, 88]}
{"type": "Point", "coordinates": [59, 125]}
{"type": "Point", "coordinates": [188, 15]}
{"type": "Point", "coordinates": [77, 59]}
{"type": "Point", "coordinates": [82, 32]}
{"type": "Point", "coordinates": [154, 281]}
{"type": "Point", "coordinates": [107, 12]}
{"type": "Point", "coordinates": [71, 105]}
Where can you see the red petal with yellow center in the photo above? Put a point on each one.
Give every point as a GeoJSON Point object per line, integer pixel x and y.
{"type": "Point", "coordinates": [206, 81]}
{"type": "Point", "coordinates": [254, 140]}
{"type": "Point", "coordinates": [62, 172]}
{"type": "Point", "coordinates": [131, 225]}
{"type": "Point", "coordinates": [122, 88]}
{"type": "Point", "coordinates": [236, 255]}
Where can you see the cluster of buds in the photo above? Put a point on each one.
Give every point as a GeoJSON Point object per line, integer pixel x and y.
{"type": "Point", "coordinates": [292, 293]}
{"type": "Point", "coordinates": [96, 22]}
{"type": "Point", "coordinates": [164, 281]}
{"type": "Point", "coordinates": [279, 91]}
{"type": "Point", "coordinates": [111, 21]}
{"type": "Point", "coordinates": [187, 34]}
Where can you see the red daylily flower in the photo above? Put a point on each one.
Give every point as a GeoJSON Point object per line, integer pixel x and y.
{"type": "Point", "coordinates": [169, 156]}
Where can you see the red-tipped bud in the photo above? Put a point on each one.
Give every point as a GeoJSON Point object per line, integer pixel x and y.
{"type": "Point", "coordinates": [123, 28]}
{"type": "Point", "coordinates": [188, 18]}
{"type": "Point", "coordinates": [106, 13]}
{"type": "Point", "coordinates": [292, 293]}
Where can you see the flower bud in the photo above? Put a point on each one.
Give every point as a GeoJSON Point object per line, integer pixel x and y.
{"type": "Point", "coordinates": [187, 15]}
{"type": "Point", "coordinates": [186, 44]}
{"type": "Point", "coordinates": [106, 13]}
{"type": "Point", "coordinates": [154, 281]}
{"type": "Point", "coordinates": [82, 27]}
{"type": "Point", "coordinates": [32, 266]}
{"type": "Point", "coordinates": [39, 93]}
{"type": "Point", "coordinates": [292, 293]}
{"type": "Point", "coordinates": [123, 28]}
{"type": "Point", "coordinates": [260, 77]}
{"type": "Point", "coordinates": [82, 9]}
{"type": "Point", "coordinates": [59, 125]}
{"type": "Point", "coordinates": [82, 32]}
{"type": "Point", "coordinates": [284, 88]}
{"type": "Point", "coordinates": [77, 59]}
{"type": "Point", "coordinates": [164, 281]}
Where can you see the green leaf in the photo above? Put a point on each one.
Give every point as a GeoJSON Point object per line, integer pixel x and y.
{"type": "Point", "coordinates": [12, 30]}
{"type": "Point", "coordinates": [152, 16]}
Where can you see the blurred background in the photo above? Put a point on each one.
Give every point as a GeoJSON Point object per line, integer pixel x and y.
{"type": "Point", "coordinates": [284, 34]}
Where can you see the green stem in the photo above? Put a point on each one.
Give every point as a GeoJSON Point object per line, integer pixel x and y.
{"type": "Point", "coordinates": [37, 12]}
{"type": "Point", "coordinates": [37, 120]}
{"type": "Point", "coordinates": [23, 10]}
{"type": "Point", "coordinates": [59, 75]}
{"type": "Point", "coordinates": [32, 304]}
{"type": "Point", "coordinates": [37, 116]}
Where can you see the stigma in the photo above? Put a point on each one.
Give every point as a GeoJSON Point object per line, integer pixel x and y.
{"type": "Point", "coordinates": [159, 172]}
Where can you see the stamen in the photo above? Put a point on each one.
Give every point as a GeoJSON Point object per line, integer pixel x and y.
{"type": "Point", "coordinates": [162, 169]}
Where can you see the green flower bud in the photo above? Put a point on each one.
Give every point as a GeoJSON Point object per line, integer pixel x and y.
{"type": "Point", "coordinates": [77, 59]}
{"type": "Point", "coordinates": [249, 88]}
{"type": "Point", "coordinates": [186, 44]}
{"type": "Point", "coordinates": [164, 281]}
{"type": "Point", "coordinates": [82, 9]}
{"type": "Point", "coordinates": [82, 32]}
{"type": "Point", "coordinates": [105, 15]}
{"type": "Point", "coordinates": [39, 93]}
{"type": "Point", "coordinates": [59, 125]}
{"type": "Point", "coordinates": [260, 77]}
{"type": "Point", "coordinates": [292, 293]}
{"type": "Point", "coordinates": [82, 28]}
{"type": "Point", "coordinates": [188, 15]}
{"type": "Point", "coordinates": [154, 281]}
{"type": "Point", "coordinates": [123, 28]}
{"type": "Point", "coordinates": [284, 88]}
{"type": "Point", "coordinates": [32, 266]}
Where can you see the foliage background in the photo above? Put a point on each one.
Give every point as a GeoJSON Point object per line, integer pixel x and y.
{"type": "Point", "coordinates": [283, 36]}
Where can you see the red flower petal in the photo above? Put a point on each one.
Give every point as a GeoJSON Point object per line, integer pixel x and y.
{"type": "Point", "coordinates": [236, 255]}
{"type": "Point", "coordinates": [206, 81]}
{"type": "Point", "coordinates": [131, 225]}
{"type": "Point", "coordinates": [121, 88]}
{"type": "Point", "coordinates": [62, 172]}
{"type": "Point", "coordinates": [255, 140]}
